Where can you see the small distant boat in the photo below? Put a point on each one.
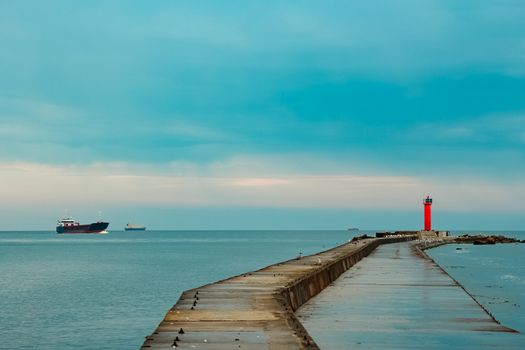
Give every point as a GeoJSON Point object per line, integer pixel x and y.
{"type": "Point", "coordinates": [352, 229]}
{"type": "Point", "coordinates": [69, 225]}
{"type": "Point", "coordinates": [131, 227]}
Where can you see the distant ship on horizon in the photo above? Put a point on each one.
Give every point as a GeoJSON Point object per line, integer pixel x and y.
{"type": "Point", "coordinates": [352, 229]}
{"type": "Point", "coordinates": [131, 227]}
{"type": "Point", "coordinates": [69, 225]}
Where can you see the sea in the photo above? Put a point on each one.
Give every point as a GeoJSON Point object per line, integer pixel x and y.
{"type": "Point", "coordinates": [110, 291]}
{"type": "Point", "coordinates": [493, 274]}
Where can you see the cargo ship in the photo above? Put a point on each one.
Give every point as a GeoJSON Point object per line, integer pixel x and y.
{"type": "Point", "coordinates": [68, 225]}
{"type": "Point", "coordinates": [131, 227]}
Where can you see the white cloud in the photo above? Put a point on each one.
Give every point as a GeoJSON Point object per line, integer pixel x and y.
{"type": "Point", "coordinates": [265, 186]}
{"type": "Point", "coordinates": [258, 182]}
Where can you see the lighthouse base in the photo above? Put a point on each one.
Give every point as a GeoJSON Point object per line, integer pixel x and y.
{"type": "Point", "coordinates": [427, 234]}
{"type": "Point", "coordinates": [431, 234]}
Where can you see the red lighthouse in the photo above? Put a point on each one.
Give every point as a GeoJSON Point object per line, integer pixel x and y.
{"type": "Point", "coordinates": [427, 203]}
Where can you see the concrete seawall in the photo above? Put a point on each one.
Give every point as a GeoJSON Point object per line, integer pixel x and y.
{"type": "Point", "coordinates": [423, 246]}
{"type": "Point", "coordinates": [255, 310]}
{"type": "Point", "coordinates": [397, 298]}
{"type": "Point", "coordinates": [311, 284]}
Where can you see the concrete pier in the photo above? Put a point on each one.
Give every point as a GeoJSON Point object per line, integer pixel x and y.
{"type": "Point", "coordinates": [255, 310]}
{"type": "Point", "coordinates": [395, 298]}
{"type": "Point", "coordinates": [398, 298]}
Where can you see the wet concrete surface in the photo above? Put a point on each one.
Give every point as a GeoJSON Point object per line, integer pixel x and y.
{"type": "Point", "coordinates": [254, 310]}
{"type": "Point", "coordinates": [397, 299]}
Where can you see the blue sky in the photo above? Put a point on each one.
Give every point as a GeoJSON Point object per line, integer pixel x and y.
{"type": "Point", "coordinates": [263, 114]}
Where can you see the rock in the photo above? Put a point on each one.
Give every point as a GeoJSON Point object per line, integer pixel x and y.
{"type": "Point", "coordinates": [480, 240]}
{"type": "Point", "coordinates": [358, 238]}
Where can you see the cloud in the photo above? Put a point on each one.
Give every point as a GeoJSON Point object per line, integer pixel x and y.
{"type": "Point", "coordinates": [192, 130]}
{"type": "Point", "coordinates": [35, 110]}
{"type": "Point", "coordinates": [258, 182]}
{"type": "Point", "coordinates": [32, 184]}
{"type": "Point", "coordinates": [503, 129]}
{"type": "Point", "coordinates": [370, 91]}
{"type": "Point", "coordinates": [393, 40]}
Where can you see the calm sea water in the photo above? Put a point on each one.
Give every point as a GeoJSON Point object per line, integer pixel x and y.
{"type": "Point", "coordinates": [494, 274]}
{"type": "Point", "coordinates": [109, 291]}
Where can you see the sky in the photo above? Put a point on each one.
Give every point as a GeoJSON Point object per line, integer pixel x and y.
{"type": "Point", "coordinates": [263, 114]}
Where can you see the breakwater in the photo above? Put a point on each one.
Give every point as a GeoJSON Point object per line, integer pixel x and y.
{"type": "Point", "coordinates": [397, 298]}
{"type": "Point", "coordinates": [422, 246]}
{"type": "Point", "coordinates": [255, 310]}
{"type": "Point", "coordinates": [494, 275]}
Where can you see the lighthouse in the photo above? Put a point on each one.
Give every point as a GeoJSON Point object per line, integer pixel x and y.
{"type": "Point", "coordinates": [427, 204]}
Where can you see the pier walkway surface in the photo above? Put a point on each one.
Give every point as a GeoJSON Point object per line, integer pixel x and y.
{"type": "Point", "coordinates": [256, 310]}
{"type": "Point", "coordinates": [397, 298]}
